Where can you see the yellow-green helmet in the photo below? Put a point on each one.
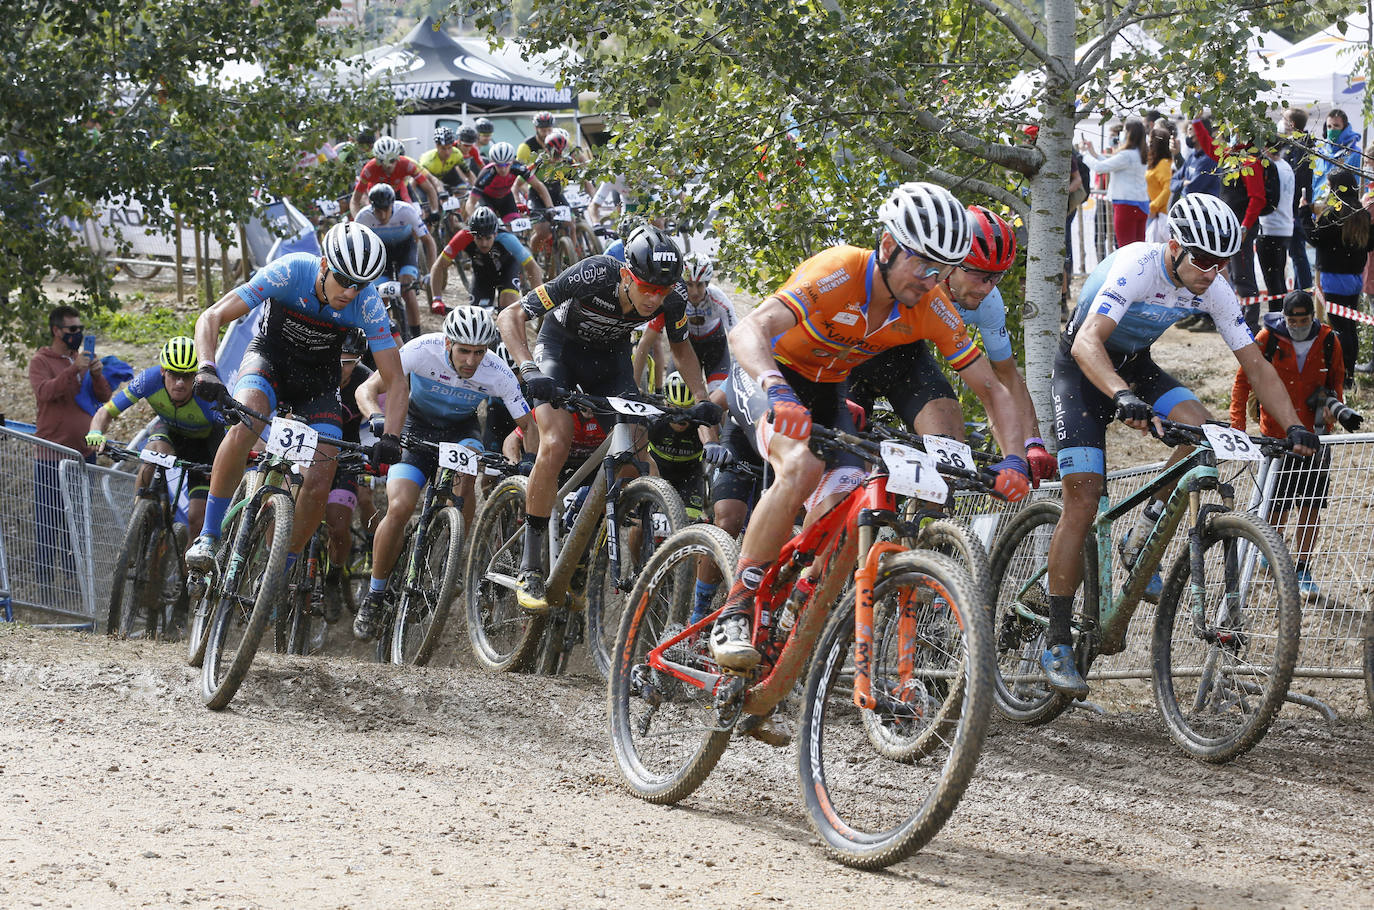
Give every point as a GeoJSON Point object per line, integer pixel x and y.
{"type": "Point", "coordinates": [178, 355]}
{"type": "Point", "coordinates": [676, 391]}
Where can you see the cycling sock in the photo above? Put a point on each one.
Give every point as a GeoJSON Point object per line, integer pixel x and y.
{"type": "Point", "coordinates": [702, 603]}
{"type": "Point", "coordinates": [748, 574]}
{"type": "Point", "coordinates": [215, 507]}
{"type": "Point", "coordinates": [377, 584]}
{"type": "Point", "coordinates": [1061, 621]}
{"type": "Point", "coordinates": [536, 532]}
{"type": "Point", "coordinates": [291, 560]}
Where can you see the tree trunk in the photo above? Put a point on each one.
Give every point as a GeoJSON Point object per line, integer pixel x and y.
{"type": "Point", "coordinates": [1049, 207]}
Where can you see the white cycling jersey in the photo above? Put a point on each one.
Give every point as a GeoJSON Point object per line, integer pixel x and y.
{"type": "Point", "coordinates": [1132, 288]}
{"type": "Point", "coordinates": [442, 396]}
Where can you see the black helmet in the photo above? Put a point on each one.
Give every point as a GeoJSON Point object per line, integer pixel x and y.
{"type": "Point", "coordinates": [483, 222]}
{"type": "Point", "coordinates": [381, 196]}
{"type": "Point", "coordinates": [543, 118]}
{"type": "Point", "coordinates": [467, 134]}
{"type": "Point", "coordinates": [484, 126]}
{"type": "Point", "coordinates": [355, 343]}
{"type": "Point", "coordinates": [653, 257]}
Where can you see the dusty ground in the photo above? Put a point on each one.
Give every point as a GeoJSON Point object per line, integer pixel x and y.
{"type": "Point", "coordinates": [336, 783]}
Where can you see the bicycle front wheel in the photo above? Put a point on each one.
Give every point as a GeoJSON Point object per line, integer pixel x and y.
{"type": "Point", "coordinates": [426, 598]}
{"type": "Point", "coordinates": [648, 511]}
{"type": "Point", "coordinates": [249, 596]}
{"type": "Point", "coordinates": [503, 636]}
{"type": "Point", "coordinates": [133, 590]}
{"type": "Point", "coordinates": [206, 598]}
{"type": "Point", "coordinates": [666, 732]}
{"type": "Point", "coordinates": [1225, 644]}
{"type": "Point", "coordinates": [879, 784]}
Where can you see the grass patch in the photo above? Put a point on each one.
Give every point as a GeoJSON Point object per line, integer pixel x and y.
{"type": "Point", "coordinates": [139, 323]}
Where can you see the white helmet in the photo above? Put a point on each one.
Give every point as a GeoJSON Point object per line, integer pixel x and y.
{"type": "Point", "coordinates": [471, 325]}
{"type": "Point", "coordinates": [698, 266]}
{"type": "Point", "coordinates": [501, 153]}
{"type": "Point", "coordinates": [386, 150]}
{"type": "Point", "coordinates": [927, 220]}
{"type": "Point", "coordinates": [1203, 222]}
{"type": "Point", "coordinates": [504, 353]}
{"type": "Point", "coordinates": [355, 252]}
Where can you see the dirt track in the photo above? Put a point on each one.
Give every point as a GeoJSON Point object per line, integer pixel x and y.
{"type": "Point", "coordinates": [334, 783]}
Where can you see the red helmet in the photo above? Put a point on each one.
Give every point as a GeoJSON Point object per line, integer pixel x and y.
{"type": "Point", "coordinates": [994, 243]}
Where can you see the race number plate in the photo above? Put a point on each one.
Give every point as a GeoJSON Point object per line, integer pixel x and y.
{"type": "Point", "coordinates": [519, 224]}
{"type": "Point", "coordinates": [949, 451]}
{"type": "Point", "coordinates": [1229, 444]}
{"type": "Point", "coordinates": [292, 440]}
{"type": "Point", "coordinates": [452, 204]}
{"type": "Point", "coordinates": [561, 213]}
{"type": "Point", "coordinates": [457, 457]}
{"type": "Point", "coordinates": [166, 459]}
{"type": "Point", "coordinates": [633, 408]}
{"type": "Point", "coordinates": [389, 289]}
{"type": "Point", "coordinates": [328, 207]}
{"type": "Point", "coordinates": [912, 472]}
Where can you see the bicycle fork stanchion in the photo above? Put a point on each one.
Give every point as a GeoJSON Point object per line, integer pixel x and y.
{"type": "Point", "coordinates": [865, 579]}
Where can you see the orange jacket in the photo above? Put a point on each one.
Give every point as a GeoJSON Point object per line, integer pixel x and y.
{"type": "Point", "coordinates": [1301, 383]}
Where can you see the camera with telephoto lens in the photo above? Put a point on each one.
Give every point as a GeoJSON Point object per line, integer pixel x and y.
{"type": "Point", "coordinates": [1344, 414]}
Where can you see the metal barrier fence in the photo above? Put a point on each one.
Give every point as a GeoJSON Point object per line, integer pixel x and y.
{"type": "Point", "coordinates": [58, 542]}
{"type": "Point", "coordinates": [1341, 564]}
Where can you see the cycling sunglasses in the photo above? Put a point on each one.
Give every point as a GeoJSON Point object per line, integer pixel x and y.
{"type": "Point", "coordinates": [347, 283]}
{"type": "Point", "coordinates": [653, 290]}
{"type": "Point", "coordinates": [927, 268]}
{"type": "Point", "coordinates": [1205, 262]}
{"type": "Point", "coordinates": [981, 275]}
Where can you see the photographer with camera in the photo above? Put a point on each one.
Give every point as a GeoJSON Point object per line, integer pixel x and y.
{"type": "Point", "coordinates": [1306, 354]}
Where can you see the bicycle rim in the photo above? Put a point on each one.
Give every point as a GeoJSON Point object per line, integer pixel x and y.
{"type": "Point", "coordinates": [426, 599]}
{"type": "Point", "coordinates": [203, 610]}
{"type": "Point", "coordinates": [667, 734]}
{"type": "Point", "coordinates": [876, 800]}
{"type": "Point", "coordinates": [1219, 698]}
{"type": "Point", "coordinates": [128, 591]}
{"type": "Point", "coordinates": [502, 635]}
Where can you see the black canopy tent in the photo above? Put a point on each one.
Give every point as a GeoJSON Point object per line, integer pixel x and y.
{"type": "Point", "coordinates": [439, 74]}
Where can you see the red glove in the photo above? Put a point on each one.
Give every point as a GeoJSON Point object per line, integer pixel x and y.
{"type": "Point", "coordinates": [1043, 465]}
{"type": "Point", "coordinates": [1013, 478]}
{"type": "Point", "coordinates": [790, 419]}
{"type": "Point", "coordinates": [857, 412]}
{"type": "Point", "coordinates": [436, 305]}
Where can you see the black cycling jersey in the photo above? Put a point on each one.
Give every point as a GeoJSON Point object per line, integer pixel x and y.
{"type": "Point", "coordinates": [675, 449]}
{"type": "Point", "coordinates": [585, 302]}
{"type": "Point", "coordinates": [352, 418]}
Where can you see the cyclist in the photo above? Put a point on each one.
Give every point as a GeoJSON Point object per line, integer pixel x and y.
{"type": "Point", "coordinates": [400, 225]}
{"type": "Point", "coordinates": [343, 492]}
{"type": "Point", "coordinates": [496, 183]}
{"type": "Point", "coordinates": [911, 380]}
{"type": "Point", "coordinates": [485, 131]}
{"type": "Point", "coordinates": [710, 317]}
{"type": "Point", "coordinates": [558, 166]}
{"type": "Point", "coordinates": [310, 304]}
{"type": "Point", "coordinates": [388, 165]}
{"type": "Point", "coordinates": [187, 426]}
{"type": "Point", "coordinates": [449, 165]}
{"type": "Point", "coordinates": [450, 374]}
{"type": "Point", "coordinates": [1104, 370]}
{"type": "Point", "coordinates": [676, 448]}
{"type": "Point", "coordinates": [529, 150]}
{"type": "Point", "coordinates": [497, 257]}
{"type": "Point", "coordinates": [794, 352]}
{"type": "Point", "coordinates": [584, 342]}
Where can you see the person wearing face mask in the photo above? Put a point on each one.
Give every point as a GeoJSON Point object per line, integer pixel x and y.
{"type": "Point", "coordinates": [1307, 356]}
{"type": "Point", "coordinates": [1343, 237]}
{"type": "Point", "coordinates": [1340, 149]}
{"type": "Point", "coordinates": [55, 373]}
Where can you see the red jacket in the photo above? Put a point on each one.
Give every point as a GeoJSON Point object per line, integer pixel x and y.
{"type": "Point", "coordinates": [56, 379]}
{"type": "Point", "coordinates": [1300, 383]}
{"type": "Point", "coordinates": [1243, 173]}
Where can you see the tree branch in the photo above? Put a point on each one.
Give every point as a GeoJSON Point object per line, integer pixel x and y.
{"type": "Point", "coordinates": [1029, 43]}
{"type": "Point", "coordinates": [1104, 44]}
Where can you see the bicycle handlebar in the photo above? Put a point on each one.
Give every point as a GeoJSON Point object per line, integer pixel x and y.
{"type": "Point", "coordinates": [233, 405]}
{"type": "Point", "coordinates": [1177, 434]}
{"type": "Point", "coordinates": [581, 401]}
{"type": "Point", "coordinates": [119, 453]}
{"type": "Point", "coordinates": [868, 445]}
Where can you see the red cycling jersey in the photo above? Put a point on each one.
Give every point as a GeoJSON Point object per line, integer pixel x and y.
{"type": "Point", "coordinates": [588, 433]}
{"type": "Point", "coordinates": [373, 174]}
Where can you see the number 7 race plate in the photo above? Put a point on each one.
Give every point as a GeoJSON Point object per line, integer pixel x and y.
{"type": "Point", "coordinates": [912, 472]}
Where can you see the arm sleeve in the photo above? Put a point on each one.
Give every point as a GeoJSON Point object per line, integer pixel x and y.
{"type": "Point", "coordinates": [1115, 162]}
{"type": "Point", "coordinates": [457, 243]}
{"type": "Point", "coordinates": [271, 277]}
{"type": "Point", "coordinates": [729, 318]}
{"type": "Point", "coordinates": [375, 321]}
{"type": "Point", "coordinates": [514, 402]}
{"type": "Point", "coordinates": [518, 251]}
{"type": "Point", "coordinates": [675, 315]}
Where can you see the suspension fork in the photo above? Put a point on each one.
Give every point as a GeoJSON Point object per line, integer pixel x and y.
{"type": "Point", "coordinates": [865, 579]}
{"type": "Point", "coordinates": [622, 448]}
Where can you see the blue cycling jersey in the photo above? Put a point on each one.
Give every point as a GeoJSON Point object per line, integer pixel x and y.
{"type": "Point", "coordinates": [990, 319]}
{"type": "Point", "coordinates": [298, 324]}
{"type": "Point", "coordinates": [196, 418]}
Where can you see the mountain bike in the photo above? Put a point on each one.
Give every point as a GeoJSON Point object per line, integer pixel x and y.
{"type": "Point", "coordinates": [898, 691]}
{"type": "Point", "coordinates": [391, 292]}
{"type": "Point", "coordinates": [203, 592]}
{"type": "Point", "coordinates": [149, 584]}
{"type": "Point", "coordinates": [604, 533]}
{"type": "Point", "coordinates": [249, 594]}
{"type": "Point", "coordinates": [586, 242]}
{"type": "Point", "coordinates": [1226, 629]}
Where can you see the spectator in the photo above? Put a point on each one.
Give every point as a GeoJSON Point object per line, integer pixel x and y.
{"type": "Point", "coordinates": [1079, 178]}
{"type": "Point", "coordinates": [1199, 174]}
{"type": "Point", "coordinates": [1307, 357]}
{"type": "Point", "coordinates": [1127, 190]}
{"type": "Point", "coordinates": [1340, 149]}
{"type": "Point", "coordinates": [1343, 239]}
{"type": "Point", "coordinates": [55, 373]}
{"type": "Point", "coordinates": [1276, 234]}
{"type": "Point", "coordinates": [1242, 188]}
{"type": "Point", "coordinates": [1297, 151]}
{"type": "Point", "coordinates": [1365, 367]}
{"type": "Point", "coordinates": [1151, 117]}
{"type": "Point", "coordinates": [1159, 168]}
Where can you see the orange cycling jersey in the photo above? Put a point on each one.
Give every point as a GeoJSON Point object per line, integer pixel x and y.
{"type": "Point", "coordinates": [830, 294]}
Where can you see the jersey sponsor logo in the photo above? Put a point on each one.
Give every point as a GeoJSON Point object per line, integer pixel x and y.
{"type": "Point", "coordinates": [947, 316]}
{"type": "Point", "coordinates": [1121, 282]}
{"type": "Point", "coordinates": [846, 318]}
{"type": "Point", "coordinates": [588, 274]}
{"type": "Point", "coordinates": [680, 323]}
{"type": "Point", "coordinates": [544, 299]}
{"type": "Point", "coordinates": [832, 281]}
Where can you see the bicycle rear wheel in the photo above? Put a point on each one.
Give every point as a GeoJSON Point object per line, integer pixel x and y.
{"type": "Point", "coordinates": [248, 601]}
{"type": "Point", "coordinates": [646, 503]}
{"type": "Point", "coordinates": [879, 784]}
{"type": "Point", "coordinates": [503, 636]}
{"type": "Point", "coordinates": [1219, 697]}
{"type": "Point", "coordinates": [426, 599]}
{"type": "Point", "coordinates": [587, 241]}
